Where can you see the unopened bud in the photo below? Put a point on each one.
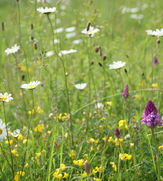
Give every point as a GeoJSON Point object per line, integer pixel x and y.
{"type": "Point", "coordinates": [3, 26]}
{"type": "Point", "coordinates": [88, 26]}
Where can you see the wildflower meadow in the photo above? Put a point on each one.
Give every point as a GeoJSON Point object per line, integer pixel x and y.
{"type": "Point", "coordinates": [81, 90]}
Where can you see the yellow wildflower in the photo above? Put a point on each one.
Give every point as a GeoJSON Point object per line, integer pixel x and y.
{"type": "Point", "coordinates": [72, 154]}
{"type": "Point", "coordinates": [125, 156]}
{"type": "Point", "coordinates": [21, 173]}
{"type": "Point", "coordinates": [84, 174]}
{"type": "Point", "coordinates": [78, 162]}
{"type": "Point", "coordinates": [113, 166]}
{"type": "Point", "coordinates": [109, 103]}
{"type": "Point", "coordinates": [39, 128]}
{"type": "Point", "coordinates": [97, 179]}
{"type": "Point", "coordinates": [65, 175]}
{"type": "Point", "coordinates": [14, 152]}
{"type": "Point", "coordinates": [20, 137]}
{"type": "Point", "coordinates": [9, 142]}
{"type": "Point", "coordinates": [24, 141]}
{"type": "Point", "coordinates": [123, 124]}
{"type": "Point", "coordinates": [155, 85]}
{"type": "Point", "coordinates": [160, 147]}
{"type": "Point", "coordinates": [62, 166]}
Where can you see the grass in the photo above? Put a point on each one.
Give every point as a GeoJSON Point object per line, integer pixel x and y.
{"type": "Point", "coordinates": [64, 135]}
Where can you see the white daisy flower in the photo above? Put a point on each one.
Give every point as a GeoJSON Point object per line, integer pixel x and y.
{"type": "Point", "coordinates": [12, 50]}
{"type": "Point", "coordinates": [59, 30]}
{"type": "Point", "coordinates": [157, 32]}
{"type": "Point", "coordinates": [3, 132]}
{"type": "Point", "coordinates": [117, 65]}
{"type": "Point", "coordinates": [99, 105]}
{"type": "Point", "coordinates": [76, 42]}
{"type": "Point", "coordinates": [5, 97]}
{"type": "Point", "coordinates": [129, 10]}
{"type": "Point", "coordinates": [65, 52]}
{"type": "Point", "coordinates": [137, 16]}
{"type": "Point", "coordinates": [31, 85]}
{"type": "Point", "coordinates": [46, 10]}
{"type": "Point", "coordinates": [56, 41]}
{"type": "Point", "coordinates": [70, 29]}
{"type": "Point", "coordinates": [91, 31]}
{"type": "Point", "coordinates": [70, 35]}
{"type": "Point", "coordinates": [15, 133]}
{"type": "Point", "coordinates": [49, 53]}
{"type": "Point", "coordinates": [81, 86]}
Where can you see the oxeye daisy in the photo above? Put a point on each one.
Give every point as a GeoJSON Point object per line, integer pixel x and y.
{"type": "Point", "coordinates": [157, 32]}
{"type": "Point", "coordinates": [3, 132]}
{"type": "Point", "coordinates": [65, 52]}
{"type": "Point", "coordinates": [31, 85]}
{"type": "Point", "coordinates": [117, 65]}
{"type": "Point", "coordinates": [91, 31]}
{"type": "Point", "coordinates": [81, 86]}
{"type": "Point", "coordinates": [12, 50]}
{"type": "Point", "coordinates": [15, 133]}
{"type": "Point", "coordinates": [46, 10]}
{"type": "Point", "coordinates": [5, 97]}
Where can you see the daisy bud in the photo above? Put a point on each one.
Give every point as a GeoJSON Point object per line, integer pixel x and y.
{"type": "Point", "coordinates": [97, 49]}
{"type": "Point", "coordinates": [35, 46]}
{"type": "Point", "coordinates": [125, 70]}
{"type": "Point", "coordinates": [117, 133]}
{"type": "Point", "coordinates": [158, 41]}
{"type": "Point", "coordinates": [100, 64]}
{"type": "Point", "coordinates": [3, 26]}
{"type": "Point", "coordinates": [92, 63]}
{"type": "Point", "coordinates": [32, 26]}
{"type": "Point", "coordinates": [104, 57]}
{"type": "Point", "coordinates": [88, 26]}
{"type": "Point", "coordinates": [23, 77]}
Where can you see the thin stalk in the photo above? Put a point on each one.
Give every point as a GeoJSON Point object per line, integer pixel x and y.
{"type": "Point", "coordinates": [9, 146]}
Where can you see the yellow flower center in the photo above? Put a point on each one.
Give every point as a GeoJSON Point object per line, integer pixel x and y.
{"type": "Point", "coordinates": [1, 131]}
{"type": "Point", "coordinates": [3, 98]}
{"type": "Point", "coordinates": [31, 86]}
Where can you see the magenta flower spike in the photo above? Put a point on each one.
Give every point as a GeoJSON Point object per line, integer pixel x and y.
{"type": "Point", "coordinates": [151, 117]}
{"type": "Point", "coordinates": [125, 93]}
{"type": "Point", "coordinates": [117, 133]}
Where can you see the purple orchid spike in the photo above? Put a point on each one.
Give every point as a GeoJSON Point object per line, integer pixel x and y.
{"type": "Point", "coordinates": [117, 133]}
{"type": "Point", "coordinates": [155, 61]}
{"type": "Point", "coordinates": [125, 93]}
{"type": "Point", "coordinates": [151, 117]}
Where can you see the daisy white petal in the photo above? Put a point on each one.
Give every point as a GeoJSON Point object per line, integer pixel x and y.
{"type": "Point", "coordinates": [65, 52]}
{"type": "Point", "coordinates": [31, 85]}
{"type": "Point", "coordinates": [5, 97]}
{"type": "Point", "coordinates": [3, 132]}
{"type": "Point", "coordinates": [91, 31]}
{"type": "Point", "coordinates": [46, 10]}
{"type": "Point", "coordinates": [117, 65]}
{"type": "Point", "coordinates": [81, 86]}
{"type": "Point", "coordinates": [12, 50]}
